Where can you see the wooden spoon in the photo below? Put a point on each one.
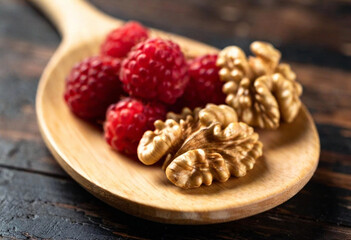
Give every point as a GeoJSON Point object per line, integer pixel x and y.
{"type": "Point", "coordinates": [290, 153]}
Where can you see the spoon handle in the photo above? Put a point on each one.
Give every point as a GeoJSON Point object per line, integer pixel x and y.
{"type": "Point", "coordinates": [75, 19]}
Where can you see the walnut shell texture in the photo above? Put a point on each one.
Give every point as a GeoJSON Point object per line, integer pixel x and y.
{"type": "Point", "coordinates": [201, 146]}
{"type": "Point", "coordinates": [262, 91]}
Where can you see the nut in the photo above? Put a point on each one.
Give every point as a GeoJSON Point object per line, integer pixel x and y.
{"type": "Point", "coordinates": [262, 91]}
{"type": "Point", "coordinates": [233, 63]}
{"type": "Point", "coordinates": [266, 60]}
{"type": "Point", "coordinates": [154, 144]}
{"type": "Point", "coordinates": [287, 94]}
{"type": "Point", "coordinates": [210, 145]}
{"type": "Point", "coordinates": [216, 153]}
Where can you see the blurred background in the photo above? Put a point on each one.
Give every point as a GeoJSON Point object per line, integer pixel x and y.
{"type": "Point", "coordinates": [308, 31]}
{"type": "Point", "coordinates": [38, 200]}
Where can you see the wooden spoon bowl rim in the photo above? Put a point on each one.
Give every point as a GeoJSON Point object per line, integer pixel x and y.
{"type": "Point", "coordinates": [212, 213]}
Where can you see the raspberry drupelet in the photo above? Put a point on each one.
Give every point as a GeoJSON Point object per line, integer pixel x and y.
{"type": "Point", "coordinates": [92, 86]}
{"type": "Point", "coordinates": [155, 69]}
{"type": "Point", "coordinates": [121, 40]}
{"type": "Point", "coordinates": [127, 120]}
{"type": "Point", "coordinates": [205, 85]}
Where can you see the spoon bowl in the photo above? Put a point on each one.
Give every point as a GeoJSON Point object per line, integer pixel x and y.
{"type": "Point", "coordinates": [290, 153]}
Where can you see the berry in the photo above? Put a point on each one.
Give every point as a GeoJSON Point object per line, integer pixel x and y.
{"type": "Point", "coordinates": [127, 120]}
{"type": "Point", "coordinates": [205, 85]}
{"type": "Point", "coordinates": [92, 86]}
{"type": "Point", "coordinates": [119, 42]}
{"type": "Point", "coordinates": [155, 69]}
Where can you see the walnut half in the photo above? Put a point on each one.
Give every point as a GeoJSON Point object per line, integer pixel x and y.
{"type": "Point", "coordinates": [262, 91]}
{"type": "Point", "coordinates": [201, 146]}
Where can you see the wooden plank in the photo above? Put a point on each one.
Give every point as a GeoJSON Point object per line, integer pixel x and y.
{"type": "Point", "coordinates": [325, 199]}
{"type": "Point", "coordinates": [24, 53]}
{"type": "Point", "coordinates": [43, 207]}
{"type": "Point", "coordinates": [29, 26]}
{"type": "Point", "coordinates": [327, 93]}
{"type": "Point", "coordinates": [32, 205]}
{"type": "Point", "coordinates": [72, 213]}
{"type": "Point", "coordinates": [29, 156]}
{"type": "Point", "coordinates": [336, 139]}
{"type": "Point", "coordinates": [335, 162]}
{"type": "Point", "coordinates": [21, 145]}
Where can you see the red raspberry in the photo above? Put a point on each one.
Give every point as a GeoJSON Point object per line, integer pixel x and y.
{"type": "Point", "coordinates": [92, 86]}
{"type": "Point", "coordinates": [205, 85]}
{"type": "Point", "coordinates": [127, 121]}
{"type": "Point", "coordinates": [119, 42]}
{"type": "Point", "coordinates": [155, 69]}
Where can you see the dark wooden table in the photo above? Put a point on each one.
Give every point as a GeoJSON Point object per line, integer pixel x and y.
{"type": "Point", "coordinates": [40, 201]}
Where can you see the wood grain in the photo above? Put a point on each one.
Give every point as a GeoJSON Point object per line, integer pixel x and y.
{"type": "Point", "coordinates": [290, 156]}
{"type": "Point", "coordinates": [320, 211]}
{"type": "Point", "coordinates": [59, 209]}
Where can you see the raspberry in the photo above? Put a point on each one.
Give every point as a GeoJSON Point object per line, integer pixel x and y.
{"type": "Point", "coordinates": [205, 85]}
{"type": "Point", "coordinates": [127, 121]}
{"type": "Point", "coordinates": [155, 69]}
{"type": "Point", "coordinates": [119, 42]}
{"type": "Point", "coordinates": [92, 86]}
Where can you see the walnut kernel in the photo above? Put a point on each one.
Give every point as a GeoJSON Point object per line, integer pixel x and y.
{"type": "Point", "coordinates": [262, 91]}
{"type": "Point", "coordinates": [201, 145]}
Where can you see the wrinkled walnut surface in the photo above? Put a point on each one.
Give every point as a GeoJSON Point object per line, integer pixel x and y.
{"type": "Point", "coordinates": [201, 146]}
{"type": "Point", "coordinates": [262, 91]}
